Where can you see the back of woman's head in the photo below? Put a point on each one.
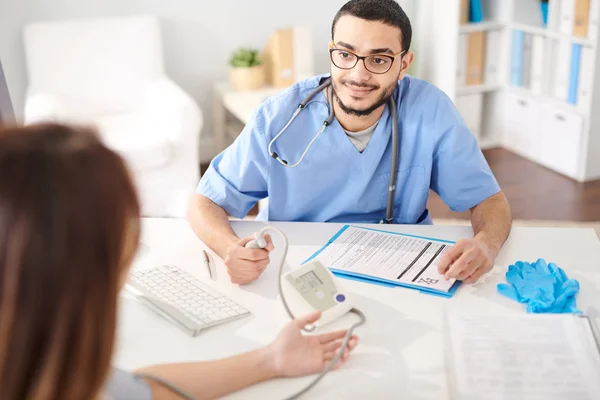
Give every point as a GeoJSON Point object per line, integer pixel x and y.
{"type": "Point", "coordinates": [68, 228]}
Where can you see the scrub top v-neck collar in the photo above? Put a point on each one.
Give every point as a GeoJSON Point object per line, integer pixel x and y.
{"type": "Point", "coordinates": [371, 156]}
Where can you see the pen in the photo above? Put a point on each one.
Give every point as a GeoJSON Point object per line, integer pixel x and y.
{"type": "Point", "coordinates": [207, 263]}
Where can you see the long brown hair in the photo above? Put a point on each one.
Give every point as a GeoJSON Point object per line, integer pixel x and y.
{"type": "Point", "coordinates": [68, 208]}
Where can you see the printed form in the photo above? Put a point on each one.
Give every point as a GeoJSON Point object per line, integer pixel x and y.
{"type": "Point", "coordinates": [538, 357]}
{"type": "Point", "coordinates": [389, 256]}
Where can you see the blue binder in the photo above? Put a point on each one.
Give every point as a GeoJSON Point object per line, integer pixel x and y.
{"type": "Point", "coordinates": [544, 9]}
{"type": "Point", "coordinates": [574, 77]}
{"type": "Point", "coordinates": [516, 70]}
{"type": "Point", "coordinates": [475, 11]}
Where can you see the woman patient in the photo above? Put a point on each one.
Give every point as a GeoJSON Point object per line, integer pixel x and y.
{"type": "Point", "coordinates": [69, 228]}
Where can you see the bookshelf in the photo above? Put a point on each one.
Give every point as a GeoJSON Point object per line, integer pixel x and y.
{"type": "Point", "coordinates": [535, 30]}
{"type": "Point", "coordinates": [464, 90]}
{"type": "Point", "coordinates": [482, 26]}
{"type": "Point", "coordinates": [531, 87]}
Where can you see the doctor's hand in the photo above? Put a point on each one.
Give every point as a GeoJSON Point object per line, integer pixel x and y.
{"type": "Point", "coordinates": [245, 265]}
{"type": "Point", "coordinates": [295, 354]}
{"type": "Point", "coordinates": [467, 261]}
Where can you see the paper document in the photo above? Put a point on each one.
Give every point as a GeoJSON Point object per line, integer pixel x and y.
{"type": "Point", "coordinates": [541, 357]}
{"type": "Point", "coordinates": [391, 257]}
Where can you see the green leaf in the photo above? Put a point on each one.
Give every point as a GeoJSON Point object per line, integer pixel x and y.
{"type": "Point", "coordinates": [245, 58]}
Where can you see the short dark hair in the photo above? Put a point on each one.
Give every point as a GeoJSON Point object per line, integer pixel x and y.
{"type": "Point", "coordinates": [387, 11]}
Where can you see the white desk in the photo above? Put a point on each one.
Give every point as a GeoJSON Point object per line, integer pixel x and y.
{"type": "Point", "coordinates": [400, 354]}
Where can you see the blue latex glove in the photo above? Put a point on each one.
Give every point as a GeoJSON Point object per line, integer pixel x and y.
{"type": "Point", "coordinates": [544, 287]}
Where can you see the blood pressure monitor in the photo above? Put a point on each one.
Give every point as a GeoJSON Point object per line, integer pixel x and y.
{"type": "Point", "coordinates": [313, 287]}
{"type": "Point", "coordinates": [308, 288]}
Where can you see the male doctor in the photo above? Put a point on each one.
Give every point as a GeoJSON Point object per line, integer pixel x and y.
{"type": "Point", "coordinates": [345, 172]}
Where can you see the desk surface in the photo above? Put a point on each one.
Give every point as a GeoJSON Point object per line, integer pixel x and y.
{"type": "Point", "coordinates": [401, 352]}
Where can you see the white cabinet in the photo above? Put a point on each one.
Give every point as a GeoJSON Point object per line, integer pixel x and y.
{"type": "Point", "coordinates": [561, 134]}
{"type": "Point", "coordinates": [544, 133]}
{"type": "Point", "coordinates": [521, 133]}
{"type": "Point", "coordinates": [555, 118]}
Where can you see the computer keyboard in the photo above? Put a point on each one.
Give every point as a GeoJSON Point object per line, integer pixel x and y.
{"type": "Point", "coordinates": [182, 299]}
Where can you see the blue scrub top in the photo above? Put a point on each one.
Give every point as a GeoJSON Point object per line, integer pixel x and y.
{"type": "Point", "coordinates": [337, 183]}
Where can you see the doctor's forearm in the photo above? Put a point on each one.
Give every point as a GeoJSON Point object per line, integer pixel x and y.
{"type": "Point", "coordinates": [491, 221]}
{"type": "Point", "coordinates": [211, 224]}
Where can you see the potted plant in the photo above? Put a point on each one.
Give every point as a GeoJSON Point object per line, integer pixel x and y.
{"type": "Point", "coordinates": [246, 70]}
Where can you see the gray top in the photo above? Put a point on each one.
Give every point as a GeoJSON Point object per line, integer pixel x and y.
{"type": "Point", "coordinates": [123, 385]}
{"type": "Point", "coordinates": [361, 139]}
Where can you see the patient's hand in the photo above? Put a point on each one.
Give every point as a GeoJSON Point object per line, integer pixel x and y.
{"type": "Point", "coordinates": [245, 265]}
{"type": "Point", "coordinates": [295, 354]}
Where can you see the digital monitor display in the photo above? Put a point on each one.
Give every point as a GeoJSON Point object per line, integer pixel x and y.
{"type": "Point", "coordinates": [310, 279]}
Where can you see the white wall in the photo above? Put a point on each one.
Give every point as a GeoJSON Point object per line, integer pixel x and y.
{"type": "Point", "coordinates": [198, 35]}
{"type": "Point", "coordinates": [435, 42]}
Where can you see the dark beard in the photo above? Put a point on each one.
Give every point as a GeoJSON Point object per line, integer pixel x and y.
{"type": "Point", "coordinates": [385, 96]}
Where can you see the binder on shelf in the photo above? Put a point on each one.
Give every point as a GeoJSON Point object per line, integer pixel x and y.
{"type": "Point", "coordinates": [492, 57]}
{"type": "Point", "coordinates": [553, 15]}
{"type": "Point", "coordinates": [526, 65]}
{"type": "Point", "coordinates": [476, 58]}
{"type": "Point", "coordinates": [586, 78]}
{"type": "Point", "coordinates": [549, 68]}
{"type": "Point", "coordinates": [562, 64]}
{"type": "Point", "coordinates": [516, 70]}
{"type": "Point", "coordinates": [567, 17]}
{"type": "Point", "coordinates": [594, 20]}
{"type": "Point", "coordinates": [537, 64]}
{"type": "Point", "coordinates": [461, 71]}
{"type": "Point", "coordinates": [544, 10]}
{"type": "Point", "coordinates": [288, 56]}
{"type": "Point", "coordinates": [574, 75]}
{"type": "Point", "coordinates": [464, 11]}
{"type": "Point", "coordinates": [475, 11]}
{"type": "Point", "coordinates": [582, 17]}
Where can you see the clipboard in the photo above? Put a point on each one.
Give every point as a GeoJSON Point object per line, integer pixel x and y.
{"type": "Point", "coordinates": [377, 280]}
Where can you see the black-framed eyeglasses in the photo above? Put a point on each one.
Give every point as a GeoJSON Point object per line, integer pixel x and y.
{"type": "Point", "coordinates": [376, 63]}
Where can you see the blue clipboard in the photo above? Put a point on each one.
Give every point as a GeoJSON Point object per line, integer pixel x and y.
{"type": "Point", "coordinates": [380, 281]}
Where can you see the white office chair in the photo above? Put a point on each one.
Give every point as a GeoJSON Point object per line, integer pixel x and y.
{"type": "Point", "coordinates": [110, 73]}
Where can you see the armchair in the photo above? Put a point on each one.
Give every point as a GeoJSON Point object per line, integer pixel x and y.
{"type": "Point", "coordinates": [109, 73]}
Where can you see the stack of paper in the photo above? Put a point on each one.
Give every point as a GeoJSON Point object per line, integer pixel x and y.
{"type": "Point", "coordinates": [522, 356]}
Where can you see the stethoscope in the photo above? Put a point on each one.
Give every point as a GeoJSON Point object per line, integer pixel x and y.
{"type": "Point", "coordinates": [389, 214]}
